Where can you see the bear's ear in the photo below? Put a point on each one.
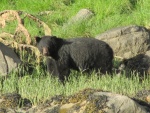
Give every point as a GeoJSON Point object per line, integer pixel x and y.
{"type": "Point", "coordinates": [57, 39]}
{"type": "Point", "coordinates": [54, 37]}
{"type": "Point", "coordinates": [37, 39]}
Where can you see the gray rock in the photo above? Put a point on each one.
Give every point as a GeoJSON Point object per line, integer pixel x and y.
{"type": "Point", "coordinates": [82, 15]}
{"type": "Point", "coordinates": [94, 102]}
{"type": "Point", "coordinates": [143, 95]}
{"type": "Point", "coordinates": [85, 101]}
{"type": "Point", "coordinates": [10, 102]}
{"type": "Point", "coordinates": [127, 41]}
{"type": "Point", "coordinates": [8, 60]}
{"type": "Point", "coordinates": [115, 103]}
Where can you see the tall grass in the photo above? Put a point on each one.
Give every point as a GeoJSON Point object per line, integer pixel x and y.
{"type": "Point", "coordinates": [38, 85]}
{"type": "Point", "coordinates": [108, 14]}
{"type": "Point", "coordinates": [39, 88]}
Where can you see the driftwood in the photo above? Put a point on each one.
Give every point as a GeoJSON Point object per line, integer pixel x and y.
{"type": "Point", "coordinates": [20, 46]}
{"type": "Point", "coordinates": [9, 15]}
{"type": "Point", "coordinates": [12, 39]}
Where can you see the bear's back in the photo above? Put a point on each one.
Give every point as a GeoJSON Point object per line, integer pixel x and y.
{"type": "Point", "coordinates": [90, 45]}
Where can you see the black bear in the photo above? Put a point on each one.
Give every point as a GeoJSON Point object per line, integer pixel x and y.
{"type": "Point", "coordinates": [81, 54]}
{"type": "Point", "coordinates": [138, 64]}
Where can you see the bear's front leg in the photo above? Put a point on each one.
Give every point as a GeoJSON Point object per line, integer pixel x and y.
{"type": "Point", "coordinates": [64, 73]}
{"type": "Point", "coordinates": [52, 67]}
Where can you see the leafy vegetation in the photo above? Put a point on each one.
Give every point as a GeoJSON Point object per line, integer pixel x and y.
{"type": "Point", "coordinates": [38, 85]}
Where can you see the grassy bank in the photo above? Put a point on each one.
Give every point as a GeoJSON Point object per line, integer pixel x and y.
{"type": "Point", "coordinates": [107, 14]}
{"type": "Point", "coordinates": [38, 87]}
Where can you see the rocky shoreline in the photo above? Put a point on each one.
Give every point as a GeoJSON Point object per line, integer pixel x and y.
{"type": "Point", "coordinates": [84, 101]}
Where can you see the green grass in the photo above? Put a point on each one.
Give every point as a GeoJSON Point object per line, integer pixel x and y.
{"type": "Point", "coordinates": [40, 87]}
{"type": "Point", "coordinates": [108, 14]}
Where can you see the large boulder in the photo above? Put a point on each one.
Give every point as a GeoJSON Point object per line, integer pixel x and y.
{"type": "Point", "coordinates": [8, 60]}
{"type": "Point", "coordinates": [85, 101]}
{"type": "Point", "coordinates": [10, 101]}
{"type": "Point", "coordinates": [143, 95]}
{"type": "Point", "coordinates": [91, 101]}
{"type": "Point", "coordinates": [127, 41]}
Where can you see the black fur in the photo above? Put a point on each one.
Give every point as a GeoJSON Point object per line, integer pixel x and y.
{"type": "Point", "coordinates": [81, 54]}
{"type": "Point", "coordinates": [139, 64]}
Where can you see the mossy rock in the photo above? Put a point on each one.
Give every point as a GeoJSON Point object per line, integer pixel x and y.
{"type": "Point", "coordinates": [143, 95]}
{"type": "Point", "coordinates": [13, 100]}
{"type": "Point", "coordinates": [10, 100]}
{"type": "Point", "coordinates": [77, 97]}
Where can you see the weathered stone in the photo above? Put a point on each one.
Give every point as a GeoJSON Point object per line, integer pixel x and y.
{"type": "Point", "coordinates": [8, 60]}
{"type": "Point", "coordinates": [8, 110]}
{"type": "Point", "coordinates": [82, 15]}
{"type": "Point", "coordinates": [85, 101]}
{"type": "Point", "coordinates": [9, 100]}
{"type": "Point", "coordinates": [117, 103]}
{"type": "Point", "coordinates": [127, 41]}
{"type": "Point", "coordinates": [93, 101]}
{"type": "Point", "coordinates": [143, 95]}
{"type": "Point", "coordinates": [147, 53]}
{"type": "Point", "coordinates": [14, 100]}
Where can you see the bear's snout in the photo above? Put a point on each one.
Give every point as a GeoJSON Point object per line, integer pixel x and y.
{"type": "Point", "coordinates": [45, 51]}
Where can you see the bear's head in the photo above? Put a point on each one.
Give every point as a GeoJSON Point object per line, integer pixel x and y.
{"type": "Point", "coordinates": [48, 45]}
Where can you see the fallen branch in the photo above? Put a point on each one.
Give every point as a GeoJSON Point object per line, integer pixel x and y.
{"type": "Point", "coordinates": [5, 15]}
{"type": "Point", "coordinates": [10, 15]}
{"type": "Point", "coordinates": [47, 30]}
{"type": "Point", "coordinates": [12, 39]}
{"type": "Point", "coordinates": [16, 45]}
